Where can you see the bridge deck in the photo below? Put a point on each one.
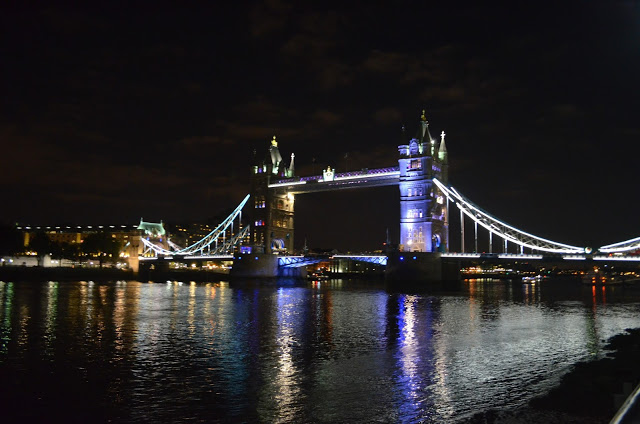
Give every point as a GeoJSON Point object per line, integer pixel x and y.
{"type": "Point", "coordinates": [297, 261]}
{"type": "Point", "coordinates": [345, 180]}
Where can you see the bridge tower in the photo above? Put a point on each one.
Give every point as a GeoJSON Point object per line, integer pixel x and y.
{"type": "Point", "coordinates": [273, 208]}
{"type": "Point", "coordinates": [423, 209]}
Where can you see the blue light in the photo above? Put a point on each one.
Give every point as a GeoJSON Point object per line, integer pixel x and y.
{"type": "Point", "coordinates": [256, 258]}
{"type": "Point", "coordinates": [414, 258]}
{"type": "Point", "coordinates": [402, 258]}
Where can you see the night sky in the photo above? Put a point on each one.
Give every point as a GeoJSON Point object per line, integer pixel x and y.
{"type": "Point", "coordinates": [115, 114]}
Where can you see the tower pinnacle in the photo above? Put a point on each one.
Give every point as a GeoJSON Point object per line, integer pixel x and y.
{"type": "Point", "coordinates": [275, 155]}
{"type": "Point", "coordinates": [442, 150]}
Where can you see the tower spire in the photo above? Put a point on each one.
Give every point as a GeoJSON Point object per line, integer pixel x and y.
{"type": "Point", "coordinates": [275, 155]}
{"type": "Point", "coordinates": [442, 150]}
{"type": "Point", "coordinates": [424, 136]}
{"type": "Point", "coordinates": [291, 169]}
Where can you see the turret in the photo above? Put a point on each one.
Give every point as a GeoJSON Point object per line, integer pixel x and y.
{"type": "Point", "coordinates": [290, 170]}
{"type": "Point", "coordinates": [442, 149]}
{"type": "Point", "coordinates": [276, 158]}
{"type": "Point", "coordinates": [426, 142]}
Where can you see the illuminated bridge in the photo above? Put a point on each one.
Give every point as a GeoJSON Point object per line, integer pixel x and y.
{"type": "Point", "coordinates": [218, 244]}
{"type": "Point", "coordinates": [427, 205]}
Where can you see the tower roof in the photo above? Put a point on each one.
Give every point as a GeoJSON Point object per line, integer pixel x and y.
{"type": "Point", "coordinates": [152, 228]}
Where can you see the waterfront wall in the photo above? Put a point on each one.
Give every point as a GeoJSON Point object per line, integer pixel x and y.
{"type": "Point", "coordinates": [263, 265]}
{"type": "Point", "coordinates": [20, 273]}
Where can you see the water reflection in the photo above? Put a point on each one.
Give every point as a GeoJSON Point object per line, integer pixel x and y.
{"type": "Point", "coordinates": [286, 382]}
{"type": "Point", "coordinates": [6, 300]}
{"type": "Point", "coordinates": [330, 351]}
{"type": "Point", "coordinates": [410, 358]}
{"type": "Point", "coordinates": [50, 318]}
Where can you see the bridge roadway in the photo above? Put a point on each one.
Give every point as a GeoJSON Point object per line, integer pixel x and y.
{"type": "Point", "coordinates": [553, 257]}
{"type": "Point", "coordinates": [364, 178]}
{"type": "Point", "coordinates": [302, 260]}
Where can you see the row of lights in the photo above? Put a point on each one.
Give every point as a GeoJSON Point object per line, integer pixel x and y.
{"type": "Point", "coordinates": [68, 227]}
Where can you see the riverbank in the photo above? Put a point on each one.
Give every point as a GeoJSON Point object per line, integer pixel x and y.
{"type": "Point", "coordinates": [591, 393]}
{"type": "Point", "coordinates": [17, 273]}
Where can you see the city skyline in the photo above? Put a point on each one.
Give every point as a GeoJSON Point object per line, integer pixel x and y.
{"type": "Point", "coordinates": [112, 115]}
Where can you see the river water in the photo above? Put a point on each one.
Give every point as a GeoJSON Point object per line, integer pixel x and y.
{"type": "Point", "coordinates": [331, 351]}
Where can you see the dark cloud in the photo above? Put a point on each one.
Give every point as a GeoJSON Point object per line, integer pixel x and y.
{"type": "Point", "coordinates": [269, 16]}
{"type": "Point", "coordinates": [198, 141]}
{"type": "Point", "coordinates": [157, 111]}
{"type": "Point", "coordinates": [386, 62]}
{"type": "Point", "coordinates": [325, 118]}
{"type": "Point", "coordinates": [388, 115]}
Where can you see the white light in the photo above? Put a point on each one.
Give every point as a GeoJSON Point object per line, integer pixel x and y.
{"type": "Point", "coordinates": [515, 256]}
{"type": "Point", "coordinates": [460, 255]}
{"type": "Point", "coordinates": [368, 176]}
{"type": "Point", "coordinates": [287, 184]}
{"type": "Point", "coordinates": [634, 243]}
{"type": "Point", "coordinates": [617, 258]}
{"type": "Point", "coordinates": [210, 257]}
{"type": "Point", "coordinates": [359, 256]}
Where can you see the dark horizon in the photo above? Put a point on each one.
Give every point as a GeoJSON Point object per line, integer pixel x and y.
{"type": "Point", "coordinates": [110, 115]}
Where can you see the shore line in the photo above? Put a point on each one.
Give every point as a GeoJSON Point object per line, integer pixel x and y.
{"type": "Point", "coordinates": [591, 393]}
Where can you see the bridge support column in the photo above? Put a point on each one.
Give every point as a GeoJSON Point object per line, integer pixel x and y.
{"type": "Point", "coordinates": [260, 265]}
{"type": "Point", "coordinates": [414, 267]}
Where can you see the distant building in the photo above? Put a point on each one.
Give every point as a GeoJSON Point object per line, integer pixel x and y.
{"type": "Point", "coordinates": [76, 234]}
{"type": "Point", "coordinates": [28, 261]}
{"type": "Point", "coordinates": [127, 235]}
{"type": "Point", "coordinates": [186, 234]}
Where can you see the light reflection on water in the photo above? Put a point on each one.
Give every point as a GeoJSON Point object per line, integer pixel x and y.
{"type": "Point", "coordinates": [334, 351]}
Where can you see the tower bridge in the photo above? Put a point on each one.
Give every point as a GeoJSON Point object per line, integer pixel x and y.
{"type": "Point", "coordinates": [423, 217]}
{"type": "Point", "coordinates": [426, 205]}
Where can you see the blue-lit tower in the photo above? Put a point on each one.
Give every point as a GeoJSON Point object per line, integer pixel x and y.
{"type": "Point", "coordinates": [423, 209]}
